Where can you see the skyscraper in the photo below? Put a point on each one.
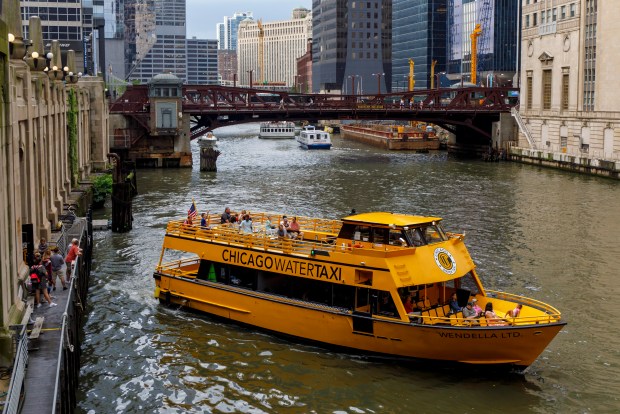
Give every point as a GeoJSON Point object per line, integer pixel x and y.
{"type": "Point", "coordinates": [352, 46]}
{"type": "Point", "coordinates": [202, 61]}
{"type": "Point", "coordinates": [156, 38]}
{"type": "Point", "coordinates": [497, 45]}
{"type": "Point", "coordinates": [282, 43]}
{"type": "Point", "coordinates": [227, 31]}
{"type": "Point", "coordinates": [418, 33]}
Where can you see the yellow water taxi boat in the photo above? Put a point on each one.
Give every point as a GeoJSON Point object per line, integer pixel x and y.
{"type": "Point", "coordinates": [376, 283]}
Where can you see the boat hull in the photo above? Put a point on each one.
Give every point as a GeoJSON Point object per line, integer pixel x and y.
{"type": "Point", "coordinates": [316, 146]}
{"type": "Point", "coordinates": [499, 345]}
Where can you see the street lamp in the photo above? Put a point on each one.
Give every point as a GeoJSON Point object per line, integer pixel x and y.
{"type": "Point", "coordinates": [234, 80]}
{"type": "Point", "coordinates": [378, 75]}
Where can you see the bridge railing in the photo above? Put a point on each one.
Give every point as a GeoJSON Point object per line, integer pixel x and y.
{"type": "Point", "coordinates": [215, 98]}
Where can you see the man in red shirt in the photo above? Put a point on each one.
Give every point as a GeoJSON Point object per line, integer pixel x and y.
{"type": "Point", "coordinates": [72, 254]}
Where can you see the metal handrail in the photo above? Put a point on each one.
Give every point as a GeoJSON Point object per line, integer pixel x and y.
{"type": "Point", "coordinates": [13, 397]}
{"type": "Point", "coordinates": [526, 131]}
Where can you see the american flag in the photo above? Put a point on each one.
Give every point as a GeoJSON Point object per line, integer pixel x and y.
{"type": "Point", "coordinates": [193, 211]}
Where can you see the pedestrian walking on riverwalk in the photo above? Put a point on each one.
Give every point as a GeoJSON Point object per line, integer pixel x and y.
{"type": "Point", "coordinates": [38, 278]}
{"type": "Point", "coordinates": [57, 262]}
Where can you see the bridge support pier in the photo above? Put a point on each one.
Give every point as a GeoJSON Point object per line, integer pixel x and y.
{"type": "Point", "coordinates": [208, 158]}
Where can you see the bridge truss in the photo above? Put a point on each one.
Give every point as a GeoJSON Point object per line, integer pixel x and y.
{"type": "Point", "coordinates": [213, 106]}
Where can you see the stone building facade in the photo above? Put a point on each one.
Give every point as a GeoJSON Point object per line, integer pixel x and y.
{"type": "Point", "coordinates": [35, 171]}
{"type": "Point", "coordinates": [569, 109]}
{"type": "Point", "coordinates": [283, 42]}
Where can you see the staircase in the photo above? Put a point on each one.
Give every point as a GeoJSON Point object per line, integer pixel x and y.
{"type": "Point", "coordinates": [522, 126]}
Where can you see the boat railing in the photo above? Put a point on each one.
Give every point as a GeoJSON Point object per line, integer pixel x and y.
{"type": "Point", "coordinates": [323, 231]}
{"type": "Point", "coordinates": [483, 322]}
{"type": "Point", "coordinates": [552, 313]}
{"type": "Point", "coordinates": [175, 267]}
{"type": "Point", "coordinates": [259, 240]}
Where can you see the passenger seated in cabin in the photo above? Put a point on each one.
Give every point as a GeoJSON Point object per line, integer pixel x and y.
{"type": "Point", "coordinates": [515, 312]}
{"type": "Point", "coordinates": [408, 304]}
{"type": "Point", "coordinates": [491, 317]}
{"type": "Point", "coordinates": [454, 304]}
{"type": "Point", "coordinates": [246, 225]}
{"type": "Point", "coordinates": [469, 312]}
{"type": "Point", "coordinates": [477, 308]}
{"type": "Point", "coordinates": [294, 230]}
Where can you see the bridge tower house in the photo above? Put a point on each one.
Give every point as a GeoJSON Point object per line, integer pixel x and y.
{"type": "Point", "coordinates": [169, 137]}
{"type": "Point", "coordinates": [151, 129]}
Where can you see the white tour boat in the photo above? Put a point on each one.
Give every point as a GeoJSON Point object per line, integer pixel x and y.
{"type": "Point", "coordinates": [207, 140]}
{"type": "Point", "coordinates": [312, 138]}
{"type": "Point", "coordinates": [277, 130]}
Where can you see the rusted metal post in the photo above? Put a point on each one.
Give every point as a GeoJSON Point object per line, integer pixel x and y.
{"type": "Point", "coordinates": [122, 192]}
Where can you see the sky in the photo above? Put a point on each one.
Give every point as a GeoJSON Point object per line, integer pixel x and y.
{"type": "Point", "coordinates": [203, 15]}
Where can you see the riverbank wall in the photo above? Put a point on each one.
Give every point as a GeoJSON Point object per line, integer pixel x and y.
{"type": "Point", "coordinates": [580, 163]}
{"type": "Point", "coordinates": [53, 136]}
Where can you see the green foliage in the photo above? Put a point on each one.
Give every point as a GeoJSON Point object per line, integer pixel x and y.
{"type": "Point", "coordinates": [72, 120]}
{"type": "Point", "coordinates": [135, 82]}
{"type": "Point", "coordinates": [102, 186]}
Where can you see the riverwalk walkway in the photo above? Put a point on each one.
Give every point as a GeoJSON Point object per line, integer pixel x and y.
{"type": "Point", "coordinates": [46, 368]}
{"type": "Point", "coordinates": [43, 359]}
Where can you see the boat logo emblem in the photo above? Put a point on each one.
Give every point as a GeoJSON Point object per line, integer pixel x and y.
{"type": "Point", "coordinates": [445, 261]}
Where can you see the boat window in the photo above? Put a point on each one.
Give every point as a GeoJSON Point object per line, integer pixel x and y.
{"type": "Point", "coordinates": [385, 305]}
{"type": "Point", "coordinates": [398, 238]}
{"type": "Point", "coordinates": [378, 235]}
{"type": "Point", "coordinates": [428, 234]}
{"type": "Point", "coordinates": [361, 233]}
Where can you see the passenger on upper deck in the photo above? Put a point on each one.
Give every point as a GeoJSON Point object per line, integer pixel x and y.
{"type": "Point", "coordinates": [226, 218]}
{"type": "Point", "coordinates": [293, 229]}
{"type": "Point", "coordinates": [246, 225]}
{"type": "Point", "coordinates": [269, 226]}
{"type": "Point", "coordinates": [203, 221]}
{"type": "Point", "coordinates": [282, 231]}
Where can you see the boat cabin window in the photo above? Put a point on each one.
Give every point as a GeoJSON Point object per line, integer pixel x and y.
{"type": "Point", "coordinates": [426, 234]}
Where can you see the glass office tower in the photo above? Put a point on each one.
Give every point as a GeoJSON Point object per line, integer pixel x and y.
{"type": "Point", "coordinates": [418, 33]}
{"type": "Point", "coordinates": [352, 46]}
{"type": "Point", "coordinates": [497, 45]}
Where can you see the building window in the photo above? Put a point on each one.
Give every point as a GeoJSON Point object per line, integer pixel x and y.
{"type": "Point", "coordinates": [572, 10]}
{"type": "Point", "coordinates": [527, 21]}
{"type": "Point", "coordinates": [563, 13]}
{"type": "Point", "coordinates": [546, 101]}
{"type": "Point", "coordinates": [565, 91]}
{"type": "Point", "coordinates": [530, 89]}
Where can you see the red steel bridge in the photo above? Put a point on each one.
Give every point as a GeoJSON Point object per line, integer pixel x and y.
{"type": "Point", "coordinates": [467, 112]}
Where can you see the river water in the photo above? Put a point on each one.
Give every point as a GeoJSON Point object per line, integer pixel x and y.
{"type": "Point", "coordinates": [546, 234]}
